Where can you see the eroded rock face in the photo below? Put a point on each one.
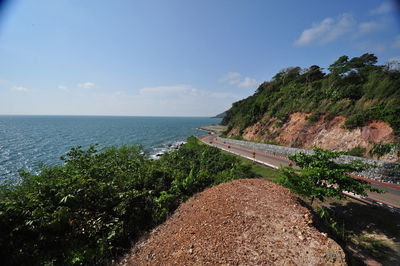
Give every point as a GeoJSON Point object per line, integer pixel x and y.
{"type": "Point", "coordinates": [244, 222]}
{"type": "Point", "coordinates": [300, 133]}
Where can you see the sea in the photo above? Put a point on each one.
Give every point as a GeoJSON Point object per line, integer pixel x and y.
{"type": "Point", "coordinates": [27, 141]}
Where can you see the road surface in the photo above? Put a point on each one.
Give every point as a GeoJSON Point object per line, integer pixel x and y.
{"type": "Point", "coordinates": [390, 199]}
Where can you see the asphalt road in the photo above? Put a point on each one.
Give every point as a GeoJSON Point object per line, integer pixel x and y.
{"type": "Point", "coordinates": [390, 199]}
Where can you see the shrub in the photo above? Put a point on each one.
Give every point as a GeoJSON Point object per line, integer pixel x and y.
{"type": "Point", "coordinates": [320, 176]}
{"type": "Point", "coordinates": [356, 120]}
{"type": "Point", "coordinates": [92, 208]}
{"type": "Point", "coordinates": [381, 149]}
{"type": "Point", "coordinates": [271, 142]}
{"type": "Point", "coordinates": [357, 151]}
{"type": "Point", "coordinates": [314, 117]}
{"type": "Point", "coordinates": [237, 137]}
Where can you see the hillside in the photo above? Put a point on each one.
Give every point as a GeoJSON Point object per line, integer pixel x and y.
{"type": "Point", "coordinates": [244, 222]}
{"type": "Point", "coordinates": [302, 107]}
{"type": "Point", "coordinates": [221, 115]}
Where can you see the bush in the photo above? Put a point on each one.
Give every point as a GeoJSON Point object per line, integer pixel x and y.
{"type": "Point", "coordinates": [314, 117]}
{"type": "Point", "coordinates": [320, 176]}
{"type": "Point", "coordinates": [357, 151]}
{"type": "Point", "coordinates": [272, 142]}
{"type": "Point", "coordinates": [356, 120]}
{"type": "Point", "coordinates": [91, 209]}
{"type": "Point", "coordinates": [381, 149]}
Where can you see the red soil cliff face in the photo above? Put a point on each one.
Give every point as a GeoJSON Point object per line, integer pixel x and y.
{"type": "Point", "coordinates": [301, 133]}
{"type": "Point", "coordinates": [244, 222]}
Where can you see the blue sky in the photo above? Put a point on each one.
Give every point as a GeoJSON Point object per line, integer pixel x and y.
{"type": "Point", "coordinates": [173, 58]}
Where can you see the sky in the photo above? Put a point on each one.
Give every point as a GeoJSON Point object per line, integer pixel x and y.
{"type": "Point", "coordinates": [175, 57]}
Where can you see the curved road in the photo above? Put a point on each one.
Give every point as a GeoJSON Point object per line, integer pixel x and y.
{"type": "Point", "coordinates": [390, 199]}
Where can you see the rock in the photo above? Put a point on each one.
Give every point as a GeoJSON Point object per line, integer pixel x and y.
{"type": "Point", "coordinates": [299, 133]}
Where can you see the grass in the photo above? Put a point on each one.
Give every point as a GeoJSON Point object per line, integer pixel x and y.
{"type": "Point", "coordinates": [374, 231]}
{"type": "Point", "coordinates": [260, 170]}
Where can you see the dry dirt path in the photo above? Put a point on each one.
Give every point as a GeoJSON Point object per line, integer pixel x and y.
{"type": "Point", "coordinates": [244, 222]}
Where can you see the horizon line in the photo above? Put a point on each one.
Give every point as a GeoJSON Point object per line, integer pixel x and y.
{"type": "Point", "coordinates": [210, 116]}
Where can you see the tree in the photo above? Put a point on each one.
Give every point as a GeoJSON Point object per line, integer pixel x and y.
{"type": "Point", "coordinates": [340, 66]}
{"type": "Point", "coordinates": [320, 176]}
{"type": "Point", "coordinates": [287, 74]}
{"type": "Point", "coordinates": [313, 73]}
{"type": "Point", "coordinates": [362, 61]}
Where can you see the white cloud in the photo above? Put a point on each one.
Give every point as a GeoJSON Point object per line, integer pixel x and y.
{"type": "Point", "coordinates": [221, 95]}
{"type": "Point", "coordinates": [165, 89]}
{"type": "Point", "coordinates": [247, 83]}
{"type": "Point", "coordinates": [369, 26]}
{"type": "Point", "coordinates": [20, 89]}
{"type": "Point", "coordinates": [62, 87]}
{"type": "Point", "coordinates": [394, 63]}
{"type": "Point", "coordinates": [174, 100]}
{"type": "Point", "coordinates": [327, 30]}
{"type": "Point", "coordinates": [384, 8]}
{"type": "Point", "coordinates": [180, 91]}
{"type": "Point", "coordinates": [315, 32]}
{"type": "Point", "coordinates": [181, 100]}
{"type": "Point", "coordinates": [344, 24]}
{"type": "Point", "coordinates": [396, 58]}
{"type": "Point", "coordinates": [235, 78]}
{"type": "Point", "coordinates": [86, 85]}
{"type": "Point", "coordinates": [231, 78]}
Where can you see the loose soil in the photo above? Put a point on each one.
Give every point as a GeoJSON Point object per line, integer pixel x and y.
{"type": "Point", "coordinates": [244, 222]}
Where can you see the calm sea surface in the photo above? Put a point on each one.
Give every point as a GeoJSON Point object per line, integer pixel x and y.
{"type": "Point", "coordinates": [26, 141]}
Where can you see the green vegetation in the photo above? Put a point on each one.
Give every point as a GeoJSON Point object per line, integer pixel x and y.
{"type": "Point", "coordinates": [381, 149]}
{"type": "Point", "coordinates": [90, 210]}
{"type": "Point", "coordinates": [254, 140]}
{"type": "Point", "coordinates": [258, 169]}
{"type": "Point", "coordinates": [356, 88]}
{"type": "Point", "coordinates": [357, 151]}
{"type": "Point", "coordinates": [271, 142]}
{"type": "Point", "coordinates": [237, 137]}
{"type": "Point", "coordinates": [320, 176]}
{"type": "Point", "coordinates": [370, 230]}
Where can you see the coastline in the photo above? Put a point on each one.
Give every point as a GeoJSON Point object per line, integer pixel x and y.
{"type": "Point", "coordinates": [214, 129]}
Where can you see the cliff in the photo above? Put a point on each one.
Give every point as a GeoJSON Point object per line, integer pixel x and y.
{"type": "Point", "coordinates": [355, 105]}
{"type": "Point", "coordinates": [299, 132]}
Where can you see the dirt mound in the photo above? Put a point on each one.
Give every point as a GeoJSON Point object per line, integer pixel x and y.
{"type": "Point", "coordinates": [247, 222]}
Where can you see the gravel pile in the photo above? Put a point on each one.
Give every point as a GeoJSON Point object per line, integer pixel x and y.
{"type": "Point", "coordinates": [244, 222]}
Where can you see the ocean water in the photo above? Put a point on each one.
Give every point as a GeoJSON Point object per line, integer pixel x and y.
{"type": "Point", "coordinates": [26, 141]}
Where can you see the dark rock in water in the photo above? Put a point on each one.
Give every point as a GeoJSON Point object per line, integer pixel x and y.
{"type": "Point", "coordinates": [159, 154]}
{"type": "Point", "coordinates": [169, 145]}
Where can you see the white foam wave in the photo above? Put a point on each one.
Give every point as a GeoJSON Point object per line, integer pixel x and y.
{"type": "Point", "coordinates": [165, 148]}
